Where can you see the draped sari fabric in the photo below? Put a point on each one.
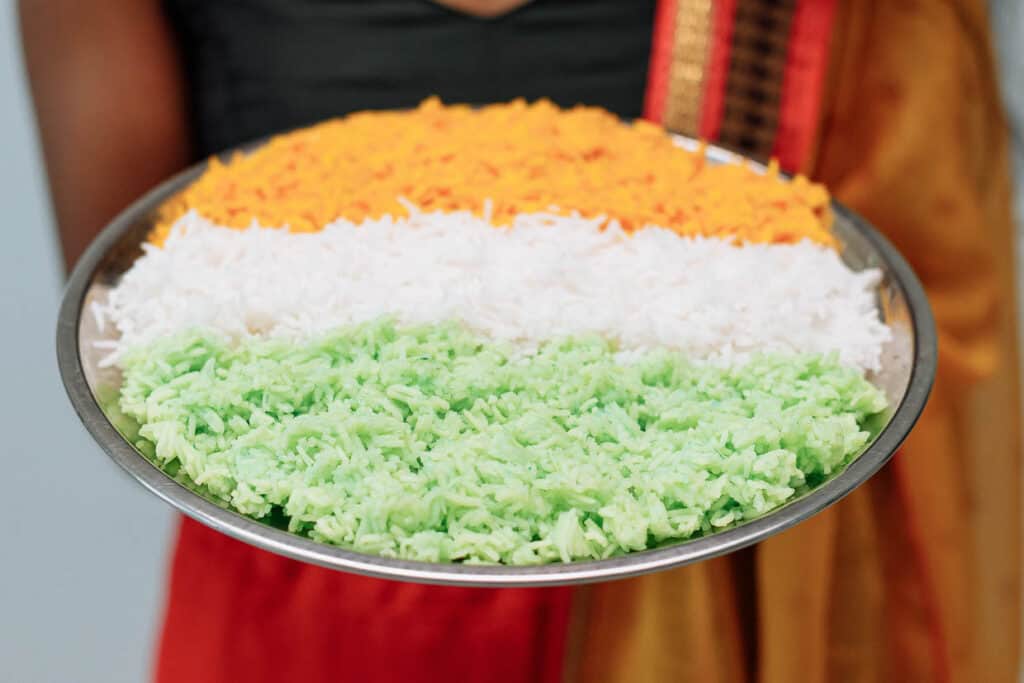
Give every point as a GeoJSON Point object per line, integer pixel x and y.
{"type": "Point", "coordinates": [914, 577]}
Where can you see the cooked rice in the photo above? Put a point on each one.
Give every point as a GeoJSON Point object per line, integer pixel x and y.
{"type": "Point", "coordinates": [435, 444]}
{"type": "Point", "coordinates": [525, 158]}
{"type": "Point", "coordinates": [545, 276]}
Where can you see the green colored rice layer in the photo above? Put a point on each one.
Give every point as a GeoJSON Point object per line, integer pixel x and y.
{"type": "Point", "coordinates": [434, 444]}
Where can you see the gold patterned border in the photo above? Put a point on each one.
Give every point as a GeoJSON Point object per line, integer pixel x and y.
{"type": "Point", "coordinates": [690, 54]}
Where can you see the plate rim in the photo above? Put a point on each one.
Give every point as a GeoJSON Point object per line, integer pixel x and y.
{"type": "Point", "coordinates": [247, 530]}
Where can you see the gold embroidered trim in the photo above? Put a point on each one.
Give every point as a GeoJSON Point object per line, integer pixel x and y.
{"type": "Point", "coordinates": [687, 70]}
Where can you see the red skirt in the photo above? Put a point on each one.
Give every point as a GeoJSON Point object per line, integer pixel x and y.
{"type": "Point", "coordinates": [236, 613]}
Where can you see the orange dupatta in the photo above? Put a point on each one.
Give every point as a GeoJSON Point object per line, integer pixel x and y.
{"type": "Point", "coordinates": [915, 576]}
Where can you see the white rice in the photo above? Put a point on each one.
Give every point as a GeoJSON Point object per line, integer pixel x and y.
{"type": "Point", "coordinates": [546, 276]}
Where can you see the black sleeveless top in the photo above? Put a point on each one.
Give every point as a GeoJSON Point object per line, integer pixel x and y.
{"type": "Point", "coordinates": [256, 67]}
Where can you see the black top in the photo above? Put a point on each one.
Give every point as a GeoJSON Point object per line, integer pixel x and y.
{"type": "Point", "coordinates": [256, 67]}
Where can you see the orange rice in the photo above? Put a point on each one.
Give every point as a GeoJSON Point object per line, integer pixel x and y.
{"type": "Point", "coordinates": [522, 157]}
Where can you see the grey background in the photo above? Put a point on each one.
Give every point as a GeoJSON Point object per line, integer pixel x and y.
{"type": "Point", "coordinates": [82, 549]}
{"type": "Point", "coordinates": [1008, 23]}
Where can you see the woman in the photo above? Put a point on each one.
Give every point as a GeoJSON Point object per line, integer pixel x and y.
{"type": "Point", "coordinates": [893, 105]}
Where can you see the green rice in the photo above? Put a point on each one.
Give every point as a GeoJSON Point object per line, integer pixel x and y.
{"type": "Point", "coordinates": [430, 443]}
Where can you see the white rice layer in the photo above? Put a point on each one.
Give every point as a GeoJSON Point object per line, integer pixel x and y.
{"type": "Point", "coordinates": [546, 276]}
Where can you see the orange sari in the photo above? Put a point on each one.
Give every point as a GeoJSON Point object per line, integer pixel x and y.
{"type": "Point", "coordinates": [914, 577]}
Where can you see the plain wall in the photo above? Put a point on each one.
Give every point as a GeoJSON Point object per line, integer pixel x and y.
{"type": "Point", "coordinates": [82, 546]}
{"type": "Point", "coordinates": [1008, 26]}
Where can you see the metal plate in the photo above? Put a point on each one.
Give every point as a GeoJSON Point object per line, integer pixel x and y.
{"type": "Point", "coordinates": [908, 372]}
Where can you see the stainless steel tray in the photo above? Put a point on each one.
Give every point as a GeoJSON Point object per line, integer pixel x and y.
{"type": "Point", "coordinates": [908, 372]}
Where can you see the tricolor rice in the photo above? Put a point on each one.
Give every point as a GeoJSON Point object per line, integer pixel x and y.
{"type": "Point", "coordinates": [523, 387]}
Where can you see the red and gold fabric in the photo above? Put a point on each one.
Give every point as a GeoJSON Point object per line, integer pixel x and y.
{"type": "Point", "coordinates": [895, 107]}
